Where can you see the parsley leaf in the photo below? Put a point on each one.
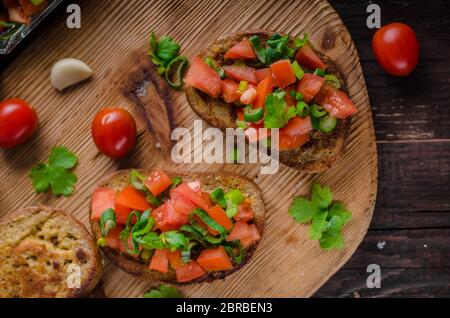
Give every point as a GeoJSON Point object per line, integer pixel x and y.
{"type": "Point", "coordinates": [164, 291]}
{"type": "Point", "coordinates": [327, 218]}
{"type": "Point", "coordinates": [163, 51]}
{"type": "Point", "coordinates": [173, 240]}
{"type": "Point", "coordinates": [55, 174]}
{"type": "Point", "coordinates": [276, 115]}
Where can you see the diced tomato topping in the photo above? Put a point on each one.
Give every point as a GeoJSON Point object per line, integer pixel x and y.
{"type": "Point", "coordinates": [194, 185]}
{"type": "Point", "coordinates": [252, 238]}
{"type": "Point", "coordinates": [175, 259]}
{"type": "Point", "coordinates": [122, 213]}
{"type": "Point", "coordinates": [219, 215]}
{"type": "Point", "coordinates": [102, 199]}
{"type": "Point", "coordinates": [241, 50]}
{"type": "Point", "coordinates": [290, 101]}
{"type": "Point", "coordinates": [189, 272]}
{"type": "Point", "coordinates": [183, 190]}
{"type": "Point", "coordinates": [263, 89]}
{"type": "Point", "coordinates": [263, 73]}
{"type": "Point", "coordinates": [307, 57]}
{"type": "Point", "coordinates": [309, 86]}
{"type": "Point", "coordinates": [247, 234]}
{"type": "Point", "coordinates": [203, 77]}
{"type": "Point", "coordinates": [282, 73]}
{"type": "Point", "coordinates": [245, 211]}
{"type": "Point", "coordinates": [160, 261]}
{"type": "Point", "coordinates": [167, 218]}
{"type": "Point", "coordinates": [215, 259]}
{"type": "Point", "coordinates": [132, 198]}
{"type": "Point", "coordinates": [230, 92]}
{"type": "Point", "coordinates": [292, 142]}
{"type": "Point", "coordinates": [183, 205]}
{"type": "Point", "coordinates": [335, 101]}
{"type": "Point", "coordinates": [241, 73]}
{"type": "Point", "coordinates": [30, 9]}
{"type": "Point", "coordinates": [297, 126]}
{"type": "Point", "coordinates": [16, 14]}
{"type": "Point", "coordinates": [113, 241]}
{"type": "Point", "coordinates": [157, 182]}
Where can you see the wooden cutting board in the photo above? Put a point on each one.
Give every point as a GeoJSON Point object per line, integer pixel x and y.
{"type": "Point", "coordinates": [113, 40]}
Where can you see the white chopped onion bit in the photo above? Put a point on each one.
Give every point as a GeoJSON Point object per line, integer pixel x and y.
{"type": "Point", "coordinates": [68, 72]}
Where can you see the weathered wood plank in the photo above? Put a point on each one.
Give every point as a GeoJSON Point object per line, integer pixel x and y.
{"type": "Point", "coordinates": [415, 107]}
{"type": "Point", "coordinates": [395, 282]}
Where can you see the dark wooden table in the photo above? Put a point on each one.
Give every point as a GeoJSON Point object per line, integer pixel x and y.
{"type": "Point", "coordinates": [412, 125]}
{"type": "Point", "coordinates": [410, 233]}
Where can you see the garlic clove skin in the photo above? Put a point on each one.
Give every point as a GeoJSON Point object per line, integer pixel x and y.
{"type": "Point", "coordinates": [69, 71]}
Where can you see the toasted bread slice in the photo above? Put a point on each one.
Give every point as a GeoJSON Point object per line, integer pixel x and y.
{"type": "Point", "coordinates": [319, 154]}
{"type": "Point", "coordinates": [39, 248]}
{"type": "Point", "coordinates": [209, 181]}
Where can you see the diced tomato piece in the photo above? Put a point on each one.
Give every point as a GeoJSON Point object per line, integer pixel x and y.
{"type": "Point", "coordinates": [132, 198]}
{"type": "Point", "coordinates": [157, 182]}
{"type": "Point", "coordinates": [230, 92]}
{"type": "Point", "coordinates": [30, 9]}
{"type": "Point", "coordinates": [122, 213]}
{"type": "Point", "coordinates": [203, 77]}
{"type": "Point", "coordinates": [292, 142]}
{"type": "Point", "coordinates": [219, 215]}
{"type": "Point", "coordinates": [263, 73]}
{"type": "Point", "coordinates": [160, 218]}
{"type": "Point", "coordinates": [189, 271]}
{"type": "Point", "coordinates": [335, 101]}
{"type": "Point", "coordinates": [297, 126]}
{"type": "Point", "coordinates": [252, 238]}
{"type": "Point", "coordinates": [245, 211]}
{"type": "Point", "coordinates": [240, 230]}
{"type": "Point", "coordinates": [167, 218]}
{"type": "Point", "coordinates": [194, 185]}
{"type": "Point", "coordinates": [16, 14]}
{"type": "Point", "coordinates": [283, 73]}
{"type": "Point", "coordinates": [160, 261]}
{"type": "Point", "coordinates": [113, 240]}
{"type": "Point", "coordinates": [309, 86]}
{"type": "Point", "coordinates": [175, 259]}
{"type": "Point", "coordinates": [290, 101]}
{"type": "Point", "coordinates": [264, 88]}
{"type": "Point", "coordinates": [241, 50]}
{"type": "Point", "coordinates": [307, 57]}
{"type": "Point", "coordinates": [102, 199]}
{"type": "Point", "coordinates": [241, 73]}
{"type": "Point", "coordinates": [183, 205]}
{"type": "Point", "coordinates": [183, 190]}
{"type": "Point", "coordinates": [215, 259]}
{"type": "Point", "coordinates": [207, 198]}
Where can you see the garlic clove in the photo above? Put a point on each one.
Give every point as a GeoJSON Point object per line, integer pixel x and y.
{"type": "Point", "coordinates": [69, 71]}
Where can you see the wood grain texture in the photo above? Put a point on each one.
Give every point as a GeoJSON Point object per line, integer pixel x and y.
{"type": "Point", "coordinates": [286, 263]}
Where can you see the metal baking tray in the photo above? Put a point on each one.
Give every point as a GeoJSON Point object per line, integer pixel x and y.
{"type": "Point", "coordinates": [24, 30]}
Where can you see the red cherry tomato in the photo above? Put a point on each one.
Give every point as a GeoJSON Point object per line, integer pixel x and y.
{"type": "Point", "coordinates": [114, 132]}
{"type": "Point", "coordinates": [396, 49]}
{"type": "Point", "coordinates": [18, 122]}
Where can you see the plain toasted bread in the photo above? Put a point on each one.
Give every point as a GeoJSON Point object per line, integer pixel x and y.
{"type": "Point", "coordinates": [38, 245]}
{"type": "Point", "coordinates": [209, 182]}
{"type": "Point", "coordinates": [319, 154]}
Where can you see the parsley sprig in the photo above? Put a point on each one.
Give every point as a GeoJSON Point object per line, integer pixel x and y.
{"type": "Point", "coordinates": [164, 291]}
{"type": "Point", "coordinates": [326, 217]}
{"type": "Point", "coordinates": [56, 173]}
{"type": "Point", "coordinates": [276, 115]}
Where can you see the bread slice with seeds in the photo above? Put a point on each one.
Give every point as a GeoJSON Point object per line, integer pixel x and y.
{"type": "Point", "coordinates": [46, 253]}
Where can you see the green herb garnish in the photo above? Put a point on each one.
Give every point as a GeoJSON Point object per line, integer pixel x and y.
{"type": "Point", "coordinates": [297, 70]}
{"type": "Point", "coordinates": [176, 68]}
{"type": "Point", "coordinates": [276, 114]}
{"type": "Point", "coordinates": [218, 197]}
{"type": "Point", "coordinates": [56, 173]}
{"type": "Point", "coordinates": [327, 218]}
{"type": "Point", "coordinates": [164, 291]}
{"type": "Point", "coordinates": [107, 222]}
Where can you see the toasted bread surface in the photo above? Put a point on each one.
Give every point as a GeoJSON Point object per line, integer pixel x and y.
{"type": "Point", "coordinates": [209, 181]}
{"type": "Point", "coordinates": [319, 154]}
{"type": "Point", "coordinates": [44, 252]}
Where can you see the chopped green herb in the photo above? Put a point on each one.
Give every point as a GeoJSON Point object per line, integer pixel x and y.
{"type": "Point", "coordinates": [218, 196]}
{"type": "Point", "coordinates": [242, 86]}
{"type": "Point", "coordinates": [297, 70]}
{"type": "Point", "coordinates": [276, 114]}
{"type": "Point", "coordinates": [176, 182]}
{"type": "Point", "coordinates": [252, 115]}
{"type": "Point", "coordinates": [255, 41]}
{"type": "Point", "coordinates": [327, 123]}
{"type": "Point", "coordinates": [137, 180]}
{"type": "Point", "coordinates": [302, 109]}
{"type": "Point", "coordinates": [212, 64]}
{"type": "Point", "coordinates": [299, 42]}
{"type": "Point", "coordinates": [176, 68]}
{"type": "Point", "coordinates": [107, 222]}
{"type": "Point", "coordinates": [327, 218]}
{"type": "Point", "coordinates": [319, 72]}
{"type": "Point", "coordinates": [164, 291]}
{"type": "Point", "coordinates": [56, 174]}
{"type": "Point", "coordinates": [241, 124]}
{"type": "Point", "coordinates": [318, 111]}
{"type": "Point", "coordinates": [333, 81]}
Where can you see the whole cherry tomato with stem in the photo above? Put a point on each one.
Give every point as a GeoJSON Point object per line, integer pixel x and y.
{"type": "Point", "coordinates": [396, 49]}
{"type": "Point", "coordinates": [18, 122]}
{"type": "Point", "coordinates": [114, 132]}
